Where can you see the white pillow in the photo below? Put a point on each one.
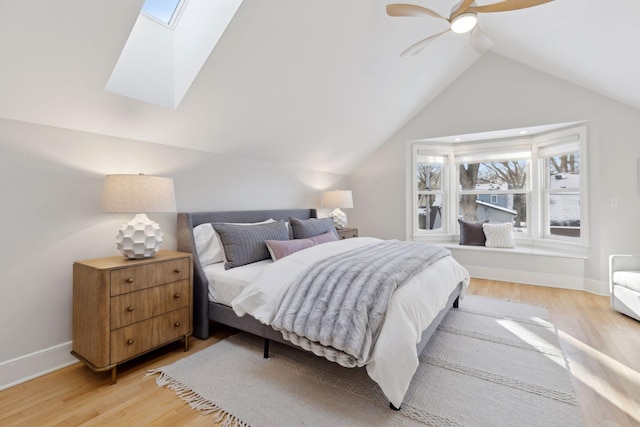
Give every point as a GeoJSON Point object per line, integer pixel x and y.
{"type": "Point", "coordinates": [499, 235]}
{"type": "Point", "coordinates": [208, 244]}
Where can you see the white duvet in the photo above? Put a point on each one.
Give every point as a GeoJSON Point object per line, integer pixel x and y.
{"type": "Point", "coordinates": [412, 308]}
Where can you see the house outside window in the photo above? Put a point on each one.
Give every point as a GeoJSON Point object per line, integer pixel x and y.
{"type": "Point", "coordinates": [536, 183]}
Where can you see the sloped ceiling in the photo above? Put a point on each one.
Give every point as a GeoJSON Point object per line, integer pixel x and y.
{"type": "Point", "coordinates": [314, 84]}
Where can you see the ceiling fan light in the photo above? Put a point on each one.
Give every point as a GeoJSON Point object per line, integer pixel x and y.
{"type": "Point", "coordinates": [464, 23]}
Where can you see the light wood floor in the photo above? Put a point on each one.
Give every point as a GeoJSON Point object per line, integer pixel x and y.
{"type": "Point", "coordinates": [603, 348]}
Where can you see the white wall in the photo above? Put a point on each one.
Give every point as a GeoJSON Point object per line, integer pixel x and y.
{"type": "Point", "coordinates": [493, 94]}
{"type": "Point", "coordinates": [51, 182]}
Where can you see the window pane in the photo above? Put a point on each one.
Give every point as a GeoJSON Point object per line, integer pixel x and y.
{"type": "Point", "coordinates": [495, 208]}
{"type": "Point", "coordinates": [429, 211]}
{"type": "Point", "coordinates": [564, 214]}
{"type": "Point", "coordinates": [564, 171]}
{"type": "Point", "coordinates": [162, 10]}
{"type": "Point", "coordinates": [429, 176]}
{"type": "Point", "coordinates": [507, 175]}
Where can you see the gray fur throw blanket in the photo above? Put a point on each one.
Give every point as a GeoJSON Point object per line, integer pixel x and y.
{"type": "Point", "coordinates": [336, 307]}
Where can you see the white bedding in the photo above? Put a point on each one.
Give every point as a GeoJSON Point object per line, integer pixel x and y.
{"type": "Point", "coordinates": [412, 308]}
{"type": "Point", "coordinates": [225, 285]}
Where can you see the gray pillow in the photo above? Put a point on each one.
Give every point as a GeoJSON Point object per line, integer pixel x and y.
{"type": "Point", "coordinates": [471, 233]}
{"type": "Point", "coordinates": [243, 245]}
{"type": "Point", "coordinates": [305, 228]}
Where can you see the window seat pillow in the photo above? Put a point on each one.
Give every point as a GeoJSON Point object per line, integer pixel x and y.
{"type": "Point", "coordinates": [471, 233]}
{"type": "Point", "coordinates": [499, 235]}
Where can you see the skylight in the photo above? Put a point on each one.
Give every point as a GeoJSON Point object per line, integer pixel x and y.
{"type": "Point", "coordinates": [164, 11]}
{"type": "Point", "coordinates": [160, 61]}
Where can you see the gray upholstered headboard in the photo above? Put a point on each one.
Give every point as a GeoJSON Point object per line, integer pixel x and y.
{"type": "Point", "coordinates": [188, 220]}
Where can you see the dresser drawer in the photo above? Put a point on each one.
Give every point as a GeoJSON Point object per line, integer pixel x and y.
{"type": "Point", "coordinates": [132, 340]}
{"type": "Point", "coordinates": [146, 276]}
{"type": "Point", "coordinates": [136, 306]}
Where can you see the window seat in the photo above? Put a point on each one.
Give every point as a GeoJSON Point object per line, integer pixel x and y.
{"type": "Point", "coordinates": [521, 250]}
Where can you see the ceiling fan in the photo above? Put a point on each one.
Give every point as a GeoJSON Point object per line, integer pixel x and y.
{"type": "Point", "coordinates": [463, 19]}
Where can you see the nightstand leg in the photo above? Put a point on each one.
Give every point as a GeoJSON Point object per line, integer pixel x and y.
{"type": "Point", "coordinates": [186, 343]}
{"type": "Point", "coordinates": [114, 375]}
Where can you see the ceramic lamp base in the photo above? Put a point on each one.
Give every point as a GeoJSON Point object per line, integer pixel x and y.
{"type": "Point", "coordinates": [139, 238]}
{"type": "Point", "coordinates": [339, 218]}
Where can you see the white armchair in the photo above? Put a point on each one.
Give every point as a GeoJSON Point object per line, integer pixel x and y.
{"type": "Point", "coordinates": [624, 284]}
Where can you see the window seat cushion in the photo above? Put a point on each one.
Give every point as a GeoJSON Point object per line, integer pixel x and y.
{"type": "Point", "coordinates": [519, 250]}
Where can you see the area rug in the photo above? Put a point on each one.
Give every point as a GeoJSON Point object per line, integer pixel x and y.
{"type": "Point", "coordinates": [490, 363]}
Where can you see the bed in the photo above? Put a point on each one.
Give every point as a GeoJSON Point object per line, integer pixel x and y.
{"type": "Point", "coordinates": [390, 367]}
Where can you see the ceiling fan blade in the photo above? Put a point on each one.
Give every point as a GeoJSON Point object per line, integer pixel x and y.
{"type": "Point", "coordinates": [507, 5]}
{"type": "Point", "coordinates": [461, 9]}
{"type": "Point", "coordinates": [411, 10]}
{"type": "Point", "coordinates": [480, 41]}
{"type": "Point", "coordinates": [415, 48]}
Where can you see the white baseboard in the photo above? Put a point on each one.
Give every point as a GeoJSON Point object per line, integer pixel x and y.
{"type": "Point", "coordinates": [527, 277]}
{"type": "Point", "coordinates": [597, 287]}
{"type": "Point", "coordinates": [27, 367]}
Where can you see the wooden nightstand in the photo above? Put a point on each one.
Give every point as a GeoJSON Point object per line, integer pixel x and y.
{"type": "Point", "coordinates": [347, 233]}
{"type": "Point", "coordinates": [123, 308]}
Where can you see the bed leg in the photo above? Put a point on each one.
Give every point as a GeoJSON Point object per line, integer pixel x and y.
{"type": "Point", "coordinates": [393, 407]}
{"type": "Point", "coordinates": [266, 348]}
{"type": "Point", "coordinates": [456, 302]}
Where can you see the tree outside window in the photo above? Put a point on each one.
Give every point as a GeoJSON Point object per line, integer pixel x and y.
{"type": "Point", "coordinates": [494, 191]}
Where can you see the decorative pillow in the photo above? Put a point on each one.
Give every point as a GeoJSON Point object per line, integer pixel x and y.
{"type": "Point", "coordinates": [471, 233]}
{"type": "Point", "coordinates": [208, 244]}
{"type": "Point", "coordinates": [282, 248]}
{"type": "Point", "coordinates": [499, 235]}
{"type": "Point", "coordinates": [305, 228]}
{"type": "Point", "coordinates": [329, 236]}
{"type": "Point", "coordinates": [243, 245]}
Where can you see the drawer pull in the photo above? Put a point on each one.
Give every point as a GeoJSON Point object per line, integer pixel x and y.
{"type": "Point", "coordinates": [177, 270]}
{"type": "Point", "coordinates": [129, 309]}
{"type": "Point", "coordinates": [130, 280]}
{"type": "Point", "coordinates": [129, 341]}
{"type": "Point", "coordinates": [176, 296]}
{"type": "Point", "coordinates": [177, 324]}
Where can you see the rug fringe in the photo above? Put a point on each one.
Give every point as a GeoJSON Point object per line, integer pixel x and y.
{"type": "Point", "coordinates": [197, 402]}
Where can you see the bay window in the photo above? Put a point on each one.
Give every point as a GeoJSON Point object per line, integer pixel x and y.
{"type": "Point", "coordinates": [536, 183]}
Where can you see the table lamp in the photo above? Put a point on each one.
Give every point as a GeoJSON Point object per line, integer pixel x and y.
{"type": "Point", "coordinates": [139, 194]}
{"type": "Point", "coordinates": [338, 199]}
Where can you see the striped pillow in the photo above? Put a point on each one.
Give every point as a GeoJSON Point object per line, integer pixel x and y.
{"type": "Point", "coordinates": [305, 228]}
{"type": "Point", "coordinates": [244, 245]}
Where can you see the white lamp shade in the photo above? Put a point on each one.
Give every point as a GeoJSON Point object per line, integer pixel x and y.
{"type": "Point", "coordinates": [138, 193]}
{"type": "Point", "coordinates": [337, 199]}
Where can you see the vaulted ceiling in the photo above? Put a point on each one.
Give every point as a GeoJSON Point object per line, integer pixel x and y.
{"type": "Point", "coordinates": [314, 84]}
